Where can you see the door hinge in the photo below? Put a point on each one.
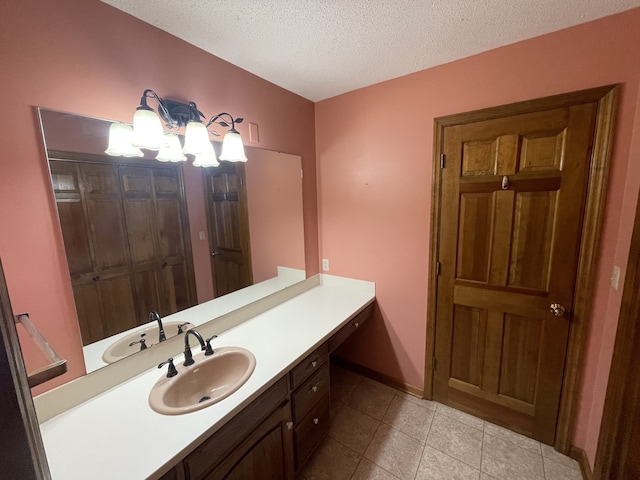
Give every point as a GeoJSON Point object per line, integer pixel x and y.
{"type": "Point", "coordinates": [442, 160]}
{"type": "Point", "coordinates": [437, 268]}
{"type": "Point", "coordinates": [434, 364]}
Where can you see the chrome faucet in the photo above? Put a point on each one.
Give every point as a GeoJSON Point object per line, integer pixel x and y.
{"type": "Point", "coordinates": [155, 317]}
{"type": "Point", "coordinates": [188, 356]}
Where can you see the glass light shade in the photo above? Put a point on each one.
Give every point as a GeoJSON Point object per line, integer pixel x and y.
{"type": "Point", "coordinates": [147, 130]}
{"type": "Point", "coordinates": [232, 148]}
{"type": "Point", "coordinates": [172, 151]}
{"type": "Point", "coordinates": [207, 159]}
{"type": "Point", "coordinates": [196, 139]}
{"type": "Point", "coordinates": [120, 137]}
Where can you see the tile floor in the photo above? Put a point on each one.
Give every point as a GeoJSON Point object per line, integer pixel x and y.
{"type": "Point", "coordinates": [379, 433]}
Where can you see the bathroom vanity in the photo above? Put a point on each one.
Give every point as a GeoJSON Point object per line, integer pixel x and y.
{"type": "Point", "coordinates": [266, 429]}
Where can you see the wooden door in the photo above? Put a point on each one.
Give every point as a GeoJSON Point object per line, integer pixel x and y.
{"type": "Point", "coordinates": [512, 204]}
{"type": "Point", "coordinates": [228, 223]}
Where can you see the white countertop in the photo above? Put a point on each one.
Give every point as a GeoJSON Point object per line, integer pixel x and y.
{"type": "Point", "coordinates": [116, 435]}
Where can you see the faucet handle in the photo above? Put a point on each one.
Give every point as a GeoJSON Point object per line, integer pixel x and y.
{"type": "Point", "coordinates": [208, 350]}
{"type": "Point", "coordinates": [172, 372]}
{"type": "Point", "coordinates": [181, 326]}
{"type": "Point", "coordinates": [142, 342]}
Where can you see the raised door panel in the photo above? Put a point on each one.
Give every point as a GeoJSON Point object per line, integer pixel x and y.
{"type": "Point", "coordinates": [139, 213]}
{"type": "Point", "coordinates": [118, 304]}
{"type": "Point", "coordinates": [104, 208]}
{"type": "Point", "coordinates": [532, 239]}
{"type": "Point", "coordinates": [265, 459]}
{"type": "Point", "coordinates": [72, 215]}
{"type": "Point", "coordinates": [149, 293]}
{"type": "Point", "coordinates": [89, 310]}
{"type": "Point", "coordinates": [476, 228]}
{"type": "Point", "coordinates": [169, 221]}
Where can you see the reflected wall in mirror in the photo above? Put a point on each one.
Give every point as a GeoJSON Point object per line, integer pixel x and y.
{"type": "Point", "coordinates": [142, 235]}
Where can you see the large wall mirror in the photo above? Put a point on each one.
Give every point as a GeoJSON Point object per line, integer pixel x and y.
{"type": "Point", "coordinates": [143, 235]}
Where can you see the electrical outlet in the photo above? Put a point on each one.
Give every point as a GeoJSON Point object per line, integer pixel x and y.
{"type": "Point", "coordinates": [325, 264]}
{"type": "Point", "coordinates": [615, 279]}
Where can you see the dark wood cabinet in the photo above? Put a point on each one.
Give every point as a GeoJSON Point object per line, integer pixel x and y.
{"type": "Point", "coordinates": [127, 243]}
{"type": "Point", "coordinates": [310, 402]}
{"type": "Point", "coordinates": [256, 443]}
{"type": "Point", "coordinates": [264, 454]}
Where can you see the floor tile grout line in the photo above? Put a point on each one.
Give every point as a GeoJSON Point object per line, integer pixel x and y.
{"type": "Point", "coordinates": [451, 456]}
{"type": "Point", "coordinates": [424, 446]}
{"type": "Point", "coordinates": [514, 444]}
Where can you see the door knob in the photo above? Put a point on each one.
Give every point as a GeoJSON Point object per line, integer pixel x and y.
{"type": "Point", "coordinates": [557, 309]}
{"type": "Point", "coordinates": [213, 254]}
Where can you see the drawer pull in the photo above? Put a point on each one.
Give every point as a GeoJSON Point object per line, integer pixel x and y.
{"type": "Point", "coordinates": [356, 324]}
{"type": "Point", "coordinates": [315, 420]}
{"type": "Point", "coordinates": [289, 425]}
{"type": "Point", "coordinates": [314, 364]}
{"type": "Point", "coordinates": [315, 387]}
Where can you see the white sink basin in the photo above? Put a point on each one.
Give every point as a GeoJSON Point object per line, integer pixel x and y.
{"type": "Point", "coordinates": [121, 349]}
{"type": "Point", "coordinates": [209, 380]}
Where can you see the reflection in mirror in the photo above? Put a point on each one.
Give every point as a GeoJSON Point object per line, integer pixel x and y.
{"type": "Point", "coordinates": [142, 235]}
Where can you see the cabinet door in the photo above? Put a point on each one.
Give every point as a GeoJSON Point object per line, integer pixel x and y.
{"type": "Point", "coordinates": [176, 473]}
{"type": "Point", "coordinates": [266, 453]}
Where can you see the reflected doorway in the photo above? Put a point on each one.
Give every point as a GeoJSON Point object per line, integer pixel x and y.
{"type": "Point", "coordinates": [228, 225]}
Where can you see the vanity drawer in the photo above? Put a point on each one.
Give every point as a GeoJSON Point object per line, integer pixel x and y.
{"type": "Point", "coordinates": [309, 365]}
{"type": "Point", "coordinates": [310, 432]}
{"type": "Point", "coordinates": [311, 391]}
{"type": "Point", "coordinates": [345, 332]}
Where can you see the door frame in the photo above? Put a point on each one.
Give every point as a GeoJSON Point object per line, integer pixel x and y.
{"type": "Point", "coordinates": [606, 98]}
{"type": "Point", "coordinates": [623, 388]}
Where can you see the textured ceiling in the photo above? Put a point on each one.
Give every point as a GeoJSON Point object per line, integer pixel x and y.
{"type": "Point", "coordinates": [319, 49]}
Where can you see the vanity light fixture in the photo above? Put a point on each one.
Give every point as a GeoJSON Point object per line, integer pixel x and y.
{"type": "Point", "coordinates": [120, 141]}
{"type": "Point", "coordinates": [171, 151]}
{"type": "Point", "coordinates": [147, 133]}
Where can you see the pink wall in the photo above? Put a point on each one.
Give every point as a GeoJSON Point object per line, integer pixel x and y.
{"type": "Point", "coordinates": [274, 191]}
{"type": "Point", "coordinates": [374, 184]}
{"type": "Point", "coordinates": [83, 56]}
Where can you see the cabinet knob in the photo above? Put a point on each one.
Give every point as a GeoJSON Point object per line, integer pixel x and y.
{"type": "Point", "coordinates": [289, 425]}
{"type": "Point", "coordinates": [315, 388]}
{"type": "Point", "coordinates": [315, 420]}
{"type": "Point", "coordinates": [314, 364]}
{"type": "Point", "coordinates": [96, 278]}
{"type": "Point", "coordinates": [356, 324]}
